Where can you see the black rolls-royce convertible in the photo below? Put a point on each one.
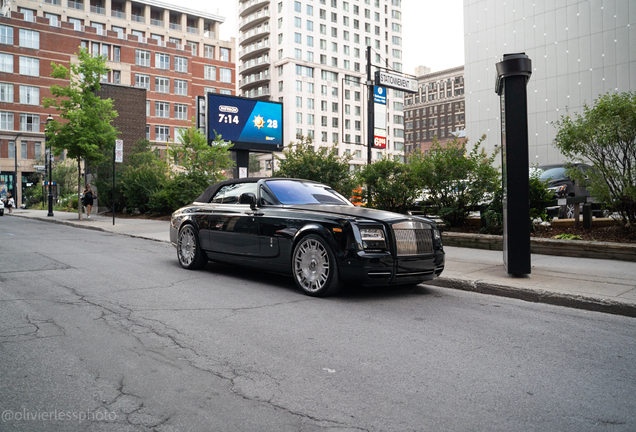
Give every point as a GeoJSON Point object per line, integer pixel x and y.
{"type": "Point", "coordinates": [307, 230]}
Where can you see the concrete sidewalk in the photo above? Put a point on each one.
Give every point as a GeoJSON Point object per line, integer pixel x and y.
{"type": "Point", "coordinates": [598, 285]}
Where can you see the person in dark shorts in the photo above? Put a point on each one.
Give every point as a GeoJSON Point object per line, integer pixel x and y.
{"type": "Point", "coordinates": [89, 195]}
{"type": "Point", "coordinates": [10, 203]}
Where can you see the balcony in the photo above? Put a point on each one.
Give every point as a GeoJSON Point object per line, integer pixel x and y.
{"type": "Point", "coordinates": [54, 2]}
{"type": "Point", "coordinates": [259, 92]}
{"type": "Point", "coordinates": [175, 26]}
{"type": "Point", "coordinates": [254, 19]}
{"type": "Point", "coordinates": [255, 48]}
{"type": "Point", "coordinates": [255, 78]}
{"type": "Point", "coordinates": [138, 18]}
{"type": "Point", "coordinates": [193, 30]}
{"type": "Point", "coordinates": [118, 14]}
{"type": "Point", "coordinates": [98, 10]}
{"type": "Point", "coordinates": [254, 34]}
{"type": "Point", "coordinates": [75, 5]}
{"type": "Point", "coordinates": [254, 64]}
{"type": "Point", "coordinates": [156, 22]}
{"type": "Point", "coordinates": [250, 6]}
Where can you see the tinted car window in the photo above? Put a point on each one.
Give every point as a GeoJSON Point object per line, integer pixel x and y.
{"type": "Point", "coordinates": [229, 194]}
{"type": "Point", "coordinates": [553, 173]}
{"type": "Point", "coordinates": [266, 198]}
{"type": "Point", "coordinates": [296, 192]}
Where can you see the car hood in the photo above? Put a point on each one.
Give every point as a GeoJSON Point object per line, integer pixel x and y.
{"type": "Point", "coordinates": [358, 212]}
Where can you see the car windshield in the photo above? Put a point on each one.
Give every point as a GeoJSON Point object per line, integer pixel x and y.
{"type": "Point", "coordinates": [553, 173]}
{"type": "Point", "coordinates": [299, 192]}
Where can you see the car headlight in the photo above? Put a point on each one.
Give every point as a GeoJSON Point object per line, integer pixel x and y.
{"type": "Point", "coordinates": [372, 239]}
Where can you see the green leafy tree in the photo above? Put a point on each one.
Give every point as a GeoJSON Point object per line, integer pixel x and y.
{"type": "Point", "coordinates": [540, 197]}
{"type": "Point", "coordinates": [456, 182]}
{"type": "Point", "coordinates": [85, 128]}
{"type": "Point", "coordinates": [391, 185]}
{"type": "Point", "coordinates": [255, 165]}
{"type": "Point", "coordinates": [142, 177]}
{"type": "Point", "coordinates": [196, 157]}
{"type": "Point", "coordinates": [322, 165]}
{"type": "Point", "coordinates": [605, 135]}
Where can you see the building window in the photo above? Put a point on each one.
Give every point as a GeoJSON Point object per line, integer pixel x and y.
{"type": "Point", "coordinates": [6, 92]}
{"type": "Point", "coordinates": [117, 77]}
{"type": "Point", "coordinates": [209, 72]}
{"type": "Point", "coordinates": [162, 109]}
{"type": "Point", "coordinates": [225, 92]}
{"type": "Point", "coordinates": [29, 66]}
{"type": "Point", "coordinates": [181, 64]}
{"type": "Point", "coordinates": [180, 87]}
{"type": "Point", "coordinates": [29, 95]}
{"type": "Point", "coordinates": [162, 85]}
{"type": "Point", "coordinates": [162, 133]}
{"type": "Point", "coordinates": [147, 108]}
{"type": "Point", "coordinates": [38, 149]}
{"type": "Point", "coordinates": [6, 120]}
{"type": "Point", "coordinates": [11, 149]}
{"type": "Point", "coordinates": [180, 111]}
{"type": "Point", "coordinates": [6, 35]}
{"type": "Point", "coordinates": [142, 57]}
{"type": "Point", "coordinates": [148, 132]}
{"type": "Point", "coordinates": [299, 118]}
{"type": "Point", "coordinates": [29, 39]}
{"type": "Point", "coordinates": [29, 15]}
{"type": "Point", "coordinates": [117, 54]}
{"type": "Point", "coordinates": [226, 75]}
{"type": "Point", "coordinates": [162, 61]}
{"type": "Point", "coordinates": [77, 23]}
{"type": "Point", "coordinates": [208, 51]}
{"type": "Point", "coordinates": [142, 81]}
{"type": "Point", "coordinates": [30, 122]}
{"type": "Point", "coordinates": [6, 63]}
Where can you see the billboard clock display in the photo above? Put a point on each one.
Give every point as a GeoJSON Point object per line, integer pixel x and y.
{"type": "Point", "coordinates": [248, 123]}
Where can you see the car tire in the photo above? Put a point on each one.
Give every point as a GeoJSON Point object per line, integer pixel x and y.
{"type": "Point", "coordinates": [189, 251]}
{"type": "Point", "coordinates": [314, 267]}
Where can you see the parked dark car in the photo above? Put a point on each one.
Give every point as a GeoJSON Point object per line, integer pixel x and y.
{"type": "Point", "coordinates": [307, 230]}
{"type": "Point", "coordinates": [563, 186]}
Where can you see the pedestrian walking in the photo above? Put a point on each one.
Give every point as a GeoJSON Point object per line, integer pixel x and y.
{"type": "Point", "coordinates": [89, 195]}
{"type": "Point", "coordinates": [10, 203]}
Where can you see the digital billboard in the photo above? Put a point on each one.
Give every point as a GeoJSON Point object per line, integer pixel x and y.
{"type": "Point", "coordinates": [248, 123]}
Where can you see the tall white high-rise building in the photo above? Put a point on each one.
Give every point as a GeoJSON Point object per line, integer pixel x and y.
{"type": "Point", "coordinates": [311, 55]}
{"type": "Point", "coordinates": [580, 50]}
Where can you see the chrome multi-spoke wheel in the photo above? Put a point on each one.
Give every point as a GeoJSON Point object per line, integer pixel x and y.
{"type": "Point", "coordinates": [188, 251]}
{"type": "Point", "coordinates": [314, 266]}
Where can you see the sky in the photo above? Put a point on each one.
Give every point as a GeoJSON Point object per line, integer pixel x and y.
{"type": "Point", "coordinates": [433, 30]}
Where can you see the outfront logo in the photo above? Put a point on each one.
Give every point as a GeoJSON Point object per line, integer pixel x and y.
{"type": "Point", "coordinates": [228, 109]}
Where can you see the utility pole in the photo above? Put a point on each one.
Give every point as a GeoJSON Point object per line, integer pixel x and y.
{"type": "Point", "coordinates": [370, 110]}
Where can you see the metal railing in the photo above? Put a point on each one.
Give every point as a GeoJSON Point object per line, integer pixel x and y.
{"type": "Point", "coordinates": [98, 10]}
{"type": "Point", "coordinates": [54, 2]}
{"type": "Point", "coordinates": [254, 47]}
{"type": "Point", "coordinates": [156, 22]}
{"type": "Point", "coordinates": [248, 5]}
{"type": "Point", "coordinates": [254, 32]}
{"type": "Point", "coordinates": [254, 16]}
{"type": "Point", "coordinates": [75, 5]}
{"type": "Point", "coordinates": [118, 14]}
{"type": "Point", "coordinates": [175, 26]}
{"type": "Point", "coordinates": [193, 30]}
{"type": "Point", "coordinates": [138, 18]}
{"type": "Point", "coordinates": [254, 62]}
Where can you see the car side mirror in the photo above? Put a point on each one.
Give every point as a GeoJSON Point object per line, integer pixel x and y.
{"type": "Point", "coordinates": [248, 198]}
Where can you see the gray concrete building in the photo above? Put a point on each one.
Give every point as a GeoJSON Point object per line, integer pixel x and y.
{"type": "Point", "coordinates": [580, 49]}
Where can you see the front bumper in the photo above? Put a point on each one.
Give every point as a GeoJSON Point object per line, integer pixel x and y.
{"type": "Point", "coordinates": [373, 269]}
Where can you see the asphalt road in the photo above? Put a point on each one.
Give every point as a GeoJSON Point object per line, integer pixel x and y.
{"type": "Point", "coordinates": [103, 332]}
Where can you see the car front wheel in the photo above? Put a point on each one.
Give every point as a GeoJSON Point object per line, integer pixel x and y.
{"type": "Point", "coordinates": [189, 252]}
{"type": "Point", "coordinates": [314, 266]}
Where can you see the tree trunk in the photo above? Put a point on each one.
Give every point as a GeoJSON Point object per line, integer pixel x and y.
{"type": "Point", "coordinates": [79, 189]}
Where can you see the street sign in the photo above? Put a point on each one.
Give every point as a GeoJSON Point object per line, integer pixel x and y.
{"type": "Point", "coordinates": [396, 82]}
{"type": "Point", "coordinates": [119, 151]}
{"type": "Point", "coordinates": [39, 168]}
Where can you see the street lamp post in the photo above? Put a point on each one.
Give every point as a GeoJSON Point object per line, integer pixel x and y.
{"type": "Point", "coordinates": [15, 172]}
{"type": "Point", "coordinates": [49, 157]}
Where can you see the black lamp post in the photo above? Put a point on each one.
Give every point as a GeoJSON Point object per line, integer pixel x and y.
{"type": "Point", "coordinates": [49, 157]}
{"type": "Point", "coordinates": [15, 172]}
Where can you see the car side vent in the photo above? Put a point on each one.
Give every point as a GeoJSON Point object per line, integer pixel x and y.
{"type": "Point", "coordinates": [413, 238]}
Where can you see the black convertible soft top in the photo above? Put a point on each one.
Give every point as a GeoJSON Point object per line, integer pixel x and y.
{"type": "Point", "coordinates": [207, 194]}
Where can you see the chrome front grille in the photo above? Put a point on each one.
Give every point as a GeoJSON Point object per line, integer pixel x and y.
{"type": "Point", "coordinates": [413, 238]}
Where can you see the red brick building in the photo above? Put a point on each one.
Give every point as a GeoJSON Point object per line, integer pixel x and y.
{"type": "Point", "coordinates": [170, 51]}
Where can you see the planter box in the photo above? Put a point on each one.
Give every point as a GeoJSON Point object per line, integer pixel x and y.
{"type": "Point", "coordinates": [570, 248]}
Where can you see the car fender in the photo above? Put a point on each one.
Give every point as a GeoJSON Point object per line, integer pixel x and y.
{"type": "Point", "coordinates": [315, 228]}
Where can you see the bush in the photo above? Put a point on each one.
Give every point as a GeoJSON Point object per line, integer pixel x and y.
{"type": "Point", "coordinates": [391, 185]}
{"type": "Point", "coordinates": [178, 191]}
{"type": "Point", "coordinates": [456, 182]}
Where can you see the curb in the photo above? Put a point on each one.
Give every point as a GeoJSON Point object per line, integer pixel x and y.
{"type": "Point", "coordinates": [74, 224]}
{"type": "Point", "coordinates": [538, 296]}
